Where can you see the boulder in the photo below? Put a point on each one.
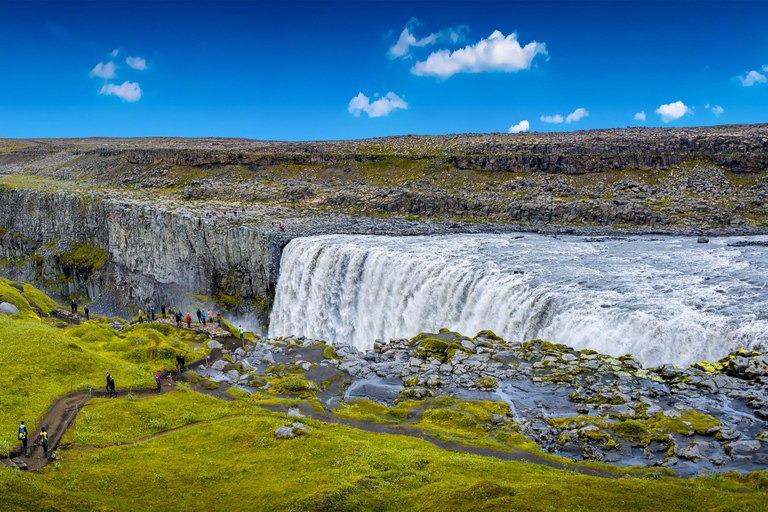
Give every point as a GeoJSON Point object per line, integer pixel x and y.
{"type": "Point", "coordinates": [219, 365]}
{"type": "Point", "coordinates": [6, 308]}
{"type": "Point", "coordinates": [213, 344]}
{"type": "Point", "coordinates": [291, 431]}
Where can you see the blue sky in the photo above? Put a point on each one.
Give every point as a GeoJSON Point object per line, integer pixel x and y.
{"type": "Point", "coordinates": [335, 70]}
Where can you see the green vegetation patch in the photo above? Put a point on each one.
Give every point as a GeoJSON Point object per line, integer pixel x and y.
{"type": "Point", "coordinates": [84, 255]}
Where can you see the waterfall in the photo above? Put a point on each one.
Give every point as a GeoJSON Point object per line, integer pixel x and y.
{"type": "Point", "coordinates": [663, 301]}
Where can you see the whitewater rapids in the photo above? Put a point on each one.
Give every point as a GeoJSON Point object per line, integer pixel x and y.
{"type": "Point", "coordinates": [663, 300]}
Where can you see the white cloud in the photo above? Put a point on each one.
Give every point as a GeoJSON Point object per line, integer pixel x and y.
{"type": "Point", "coordinates": [136, 63]}
{"type": "Point", "coordinates": [765, 68]}
{"type": "Point", "coordinates": [407, 39]}
{"type": "Point", "coordinates": [640, 116]}
{"type": "Point", "coordinates": [576, 115]}
{"type": "Point", "coordinates": [379, 108]}
{"type": "Point", "coordinates": [129, 91]}
{"type": "Point", "coordinates": [716, 109]}
{"type": "Point", "coordinates": [115, 52]}
{"type": "Point", "coordinates": [557, 118]}
{"type": "Point", "coordinates": [522, 126]}
{"type": "Point", "coordinates": [672, 111]}
{"type": "Point", "coordinates": [752, 78]}
{"type": "Point", "coordinates": [497, 53]}
{"type": "Point", "coordinates": [105, 71]}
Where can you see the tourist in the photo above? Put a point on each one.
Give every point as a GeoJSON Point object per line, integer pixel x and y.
{"type": "Point", "coordinates": [152, 309]}
{"type": "Point", "coordinates": [183, 363]}
{"type": "Point", "coordinates": [189, 321]}
{"type": "Point", "coordinates": [86, 311]}
{"type": "Point", "coordinates": [111, 386]}
{"type": "Point", "coordinates": [162, 310]}
{"type": "Point", "coordinates": [218, 317]}
{"type": "Point", "coordinates": [178, 362]}
{"type": "Point", "coordinates": [141, 316]}
{"type": "Point", "coordinates": [199, 316]}
{"type": "Point", "coordinates": [44, 441]}
{"type": "Point", "coordinates": [178, 319]}
{"type": "Point", "coordinates": [203, 313]}
{"type": "Point", "coordinates": [149, 317]}
{"type": "Point", "coordinates": [23, 437]}
{"type": "Point", "coordinates": [240, 331]}
{"type": "Point", "coordinates": [72, 305]}
{"type": "Point", "coordinates": [210, 316]}
{"type": "Point", "coordinates": [159, 382]}
{"type": "Point", "coordinates": [75, 306]}
{"type": "Point", "coordinates": [280, 226]}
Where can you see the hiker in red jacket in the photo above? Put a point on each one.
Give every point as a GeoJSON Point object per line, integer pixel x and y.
{"type": "Point", "coordinates": [189, 321]}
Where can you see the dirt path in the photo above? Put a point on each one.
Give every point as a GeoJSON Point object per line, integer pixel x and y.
{"type": "Point", "coordinates": [61, 415]}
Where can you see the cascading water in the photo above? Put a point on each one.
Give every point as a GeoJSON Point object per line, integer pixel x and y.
{"type": "Point", "coordinates": [667, 300]}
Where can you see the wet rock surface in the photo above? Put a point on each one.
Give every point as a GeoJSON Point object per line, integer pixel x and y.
{"type": "Point", "coordinates": [578, 404]}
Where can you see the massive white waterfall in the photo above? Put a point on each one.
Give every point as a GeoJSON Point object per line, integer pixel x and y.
{"type": "Point", "coordinates": [663, 300]}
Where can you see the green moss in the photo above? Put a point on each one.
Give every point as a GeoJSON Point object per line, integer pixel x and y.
{"type": "Point", "coordinates": [432, 347]}
{"type": "Point", "coordinates": [329, 353]}
{"type": "Point", "coordinates": [210, 385]}
{"type": "Point", "coordinates": [629, 427]}
{"type": "Point", "coordinates": [486, 382]}
{"type": "Point", "coordinates": [84, 255]}
{"type": "Point", "coordinates": [488, 334]}
{"type": "Point", "coordinates": [689, 422]}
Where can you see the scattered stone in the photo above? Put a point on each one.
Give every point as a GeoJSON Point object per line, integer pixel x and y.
{"type": "Point", "coordinates": [6, 308]}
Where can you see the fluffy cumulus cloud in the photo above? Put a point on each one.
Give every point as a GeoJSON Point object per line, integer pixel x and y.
{"type": "Point", "coordinates": [576, 115]}
{"type": "Point", "coordinates": [406, 40]}
{"type": "Point", "coordinates": [115, 52]}
{"type": "Point", "coordinates": [673, 111]}
{"type": "Point", "coordinates": [557, 118]}
{"type": "Point", "coordinates": [570, 118]}
{"type": "Point", "coordinates": [128, 91]}
{"type": "Point", "coordinates": [497, 53]}
{"type": "Point", "coordinates": [640, 116]}
{"type": "Point", "coordinates": [136, 63]}
{"type": "Point", "coordinates": [378, 108]}
{"type": "Point", "coordinates": [105, 71]}
{"type": "Point", "coordinates": [716, 109]}
{"type": "Point", "coordinates": [522, 126]}
{"type": "Point", "coordinates": [752, 78]}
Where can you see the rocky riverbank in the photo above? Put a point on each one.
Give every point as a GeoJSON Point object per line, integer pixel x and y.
{"type": "Point", "coordinates": [577, 404]}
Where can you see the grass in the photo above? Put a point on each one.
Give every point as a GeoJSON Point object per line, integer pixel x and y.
{"type": "Point", "coordinates": [215, 464]}
{"type": "Point", "coordinates": [40, 362]}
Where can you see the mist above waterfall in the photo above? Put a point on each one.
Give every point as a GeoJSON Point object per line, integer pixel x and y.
{"type": "Point", "coordinates": [667, 300]}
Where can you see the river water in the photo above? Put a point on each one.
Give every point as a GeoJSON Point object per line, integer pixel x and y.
{"type": "Point", "coordinates": [661, 299]}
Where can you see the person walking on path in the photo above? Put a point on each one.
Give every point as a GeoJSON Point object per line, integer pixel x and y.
{"type": "Point", "coordinates": [218, 317]}
{"type": "Point", "coordinates": [141, 316]}
{"type": "Point", "coordinates": [183, 363]}
{"type": "Point", "coordinates": [86, 311]}
{"type": "Point", "coordinates": [178, 319]}
{"type": "Point", "coordinates": [75, 306]}
{"type": "Point", "coordinates": [152, 309]}
{"type": "Point", "coordinates": [23, 437]}
{"type": "Point", "coordinates": [162, 310]}
{"type": "Point", "coordinates": [159, 382]}
{"type": "Point", "coordinates": [199, 316]}
{"type": "Point", "coordinates": [189, 321]}
{"type": "Point", "coordinates": [72, 305]}
{"type": "Point", "coordinates": [44, 441]}
{"type": "Point", "coordinates": [240, 331]}
{"type": "Point", "coordinates": [149, 316]}
{"type": "Point", "coordinates": [111, 386]}
{"type": "Point", "coordinates": [178, 362]}
{"type": "Point", "coordinates": [210, 316]}
{"type": "Point", "coordinates": [203, 317]}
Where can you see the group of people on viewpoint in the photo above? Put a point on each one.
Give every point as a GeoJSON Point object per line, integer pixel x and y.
{"type": "Point", "coordinates": [179, 317]}
{"type": "Point", "coordinates": [175, 314]}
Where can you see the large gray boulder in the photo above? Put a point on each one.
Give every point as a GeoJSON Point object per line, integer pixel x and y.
{"type": "Point", "coordinates": [6, 308]}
